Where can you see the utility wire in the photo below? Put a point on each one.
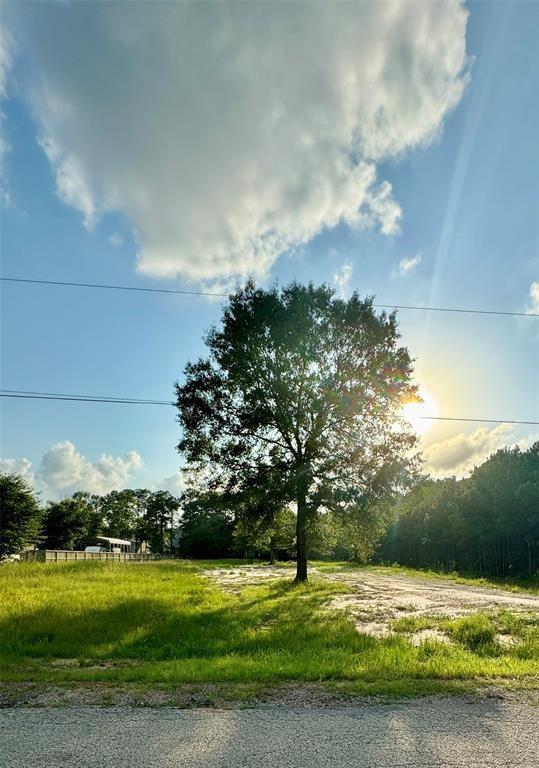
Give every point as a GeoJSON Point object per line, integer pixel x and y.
{"type": "Point", "coordinates": [111, 287]}
{"type": "Point", "coordinates": [80, 398]}
{"type": "Point", "coordinates": [459, 310]}
{"type": "Point", "coordinates": [19, 393]}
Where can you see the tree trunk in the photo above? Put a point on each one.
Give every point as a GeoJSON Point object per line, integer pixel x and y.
{"type": "Point", "coordinates": [272, 552]}
{"type": "Point", "coordinates": [301, 534]}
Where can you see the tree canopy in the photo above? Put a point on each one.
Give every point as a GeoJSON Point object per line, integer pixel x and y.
{"type": "Point", "coordinates": [71, 523]}
{"type": "Point", "coordinates": [20, 515]}
{"type": "Point", "coordinates": [300, 397]}
{"type": "Point", "coordinates": [487, 523]}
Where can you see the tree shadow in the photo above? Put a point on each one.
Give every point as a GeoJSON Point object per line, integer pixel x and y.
{"type": "Point", "coordinates": [153, 630]}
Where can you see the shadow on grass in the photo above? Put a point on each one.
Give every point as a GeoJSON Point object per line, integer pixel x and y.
{"type": "Point", "coordinates": [164, 623]}
{"type": "Point", "coordinates": [277, 618]}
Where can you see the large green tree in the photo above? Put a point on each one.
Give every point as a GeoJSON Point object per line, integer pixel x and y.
{"type": "Point", "coordinates": [20, 515]}
{"type": "Point", "coordinates": [72, 523]}
{"type": "Point", "coordinates": [121, 512]}
{"type": "Point", "coordinates": [304, 386]}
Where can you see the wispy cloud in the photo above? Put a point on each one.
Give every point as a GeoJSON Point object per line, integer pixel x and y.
{"type": "Point", "coordinates": [533, 305]}
{"type": "Point", "coordinates": [174, 483]}
{"type": "Point", "coordinates": [407, 266]}
{"type": "Point", "coordinates": [341, 280]}
{"type": "Point", "coordinates": [63, 470]}
{"type": "Point", "coordinates": [116, 240]}
{"type": "Point", "coordinates": [71, 185]}
{"type": "Point", "coordinates": [21, 467]}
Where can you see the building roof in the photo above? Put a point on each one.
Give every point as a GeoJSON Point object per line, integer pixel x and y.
{"type": "Point", "coordinates": [114, 541]}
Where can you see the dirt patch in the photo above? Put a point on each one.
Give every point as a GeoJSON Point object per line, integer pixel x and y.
{"type": "Point", "coordinates": [233, 580]}
{"type": "Point", "coordinates": [429, 635]}
{"type": "Point", "coordinates": [507, 641]}
{"type": "Point", "coordinates": [376, 600]}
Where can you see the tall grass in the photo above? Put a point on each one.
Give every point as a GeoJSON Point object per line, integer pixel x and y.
{"type": "Point", "coordinates": [163, 622]}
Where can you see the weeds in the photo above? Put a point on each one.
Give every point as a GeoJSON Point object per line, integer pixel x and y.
{"type": "Point", "coordinates": [473, 632]}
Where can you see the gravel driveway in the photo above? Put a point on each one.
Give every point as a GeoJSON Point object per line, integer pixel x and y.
{"type": "Point", "coordinates": [424, 733]}
{"type": "Point", "coordinates": [376, 598]}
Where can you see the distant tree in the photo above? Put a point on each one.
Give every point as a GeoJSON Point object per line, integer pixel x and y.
{"type": "Point", "coordinates": [257, 534]}
{"type": "Point", "coordinates": [20, 515]}
{"type": "Point", "coordinates": [93, 514]}
{"type": "Point", "coordinates": [362, 528]}
{"type": "Point", "coordinates": [322, 535]}
{"type": "Point", "coordinates": [282, 533]}
{"type": "Point", "coordinates": [161, 508]}
{"type": "Point", "coordinates": [206, 526]}
{"type": "Point", "coordinates": [71, 523]}
{"type": "Point", "coordinates": [121, 511]}
{"type": "Point", "coordinates": [305, 386]}
{"type": "Point", "coordinates": [143, 528]}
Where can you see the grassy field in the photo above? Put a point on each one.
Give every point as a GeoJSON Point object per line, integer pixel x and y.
{"type": "Point", "coordinates": [162, 623]}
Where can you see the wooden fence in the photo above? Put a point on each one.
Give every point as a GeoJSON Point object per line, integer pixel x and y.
{"type": "Point", "coordinates": [63, 555]}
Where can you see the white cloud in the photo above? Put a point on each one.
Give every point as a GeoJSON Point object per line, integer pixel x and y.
{"type": "Point", "coordinates": [406, 266]}
{"type": "Point", "coordinates": [64, 470]}
{"type": "Point", "coordinates": [534, 298]}
{"type": "Point", "coordinates": [174, 483]}
{"type": "Point", "coordinates": [458, 455]}
{"type": "Point", "coordinates": [21, 467]}
{"type": "Point", "coordinates": [116, 240]}
{"type": "Point", "coordinates": [228, 133]}
{"type": "Point", "coordinates": [341, 278]}
{"type": "Point", "coordinates": [71, 186]}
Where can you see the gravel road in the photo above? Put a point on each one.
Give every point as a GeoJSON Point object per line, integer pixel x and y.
{"type": "Point", "coordinates": [433, 732]}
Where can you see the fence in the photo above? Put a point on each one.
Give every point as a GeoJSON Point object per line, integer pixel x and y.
{"type": "Point", "coordinates": [62, 555]}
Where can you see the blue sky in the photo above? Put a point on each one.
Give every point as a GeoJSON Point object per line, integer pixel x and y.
{"type": "Point", "coordinates": [109, 178]}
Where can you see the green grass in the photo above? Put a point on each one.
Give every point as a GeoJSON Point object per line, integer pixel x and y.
{"type": "Point", "coordinates": [160, 623]}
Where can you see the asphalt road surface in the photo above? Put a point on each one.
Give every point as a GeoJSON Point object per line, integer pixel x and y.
{"type": "Point", "coordinates": [438, 733]}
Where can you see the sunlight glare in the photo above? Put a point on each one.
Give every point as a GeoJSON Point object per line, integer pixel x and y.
{"type": "Point", "coordinates": [414, 413]}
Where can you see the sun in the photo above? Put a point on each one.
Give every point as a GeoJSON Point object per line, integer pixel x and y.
{"type": "Point", "coordinates": [416, 413]}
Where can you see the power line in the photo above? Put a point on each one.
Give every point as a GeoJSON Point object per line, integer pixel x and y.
{"type": "Point", "coordinates": [111, 287]}
{"type": "Point", "coordinates": [479, 421]}
{"type": "Point", "coordinates": [25, 394]}
{"type": "Point", "coordinates": [175, 291]}
{"type": "Point", "coordinates": [80, 398]}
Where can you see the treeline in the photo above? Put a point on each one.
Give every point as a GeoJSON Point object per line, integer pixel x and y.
{"type": "Point", "coordinates": [73, 523]}
{"type": "Point", "coordinates": [211, 526]}
{"type": "Point", "coordinates": [486, 524]}
{"type": "Point", "coordinates": [199, 524]}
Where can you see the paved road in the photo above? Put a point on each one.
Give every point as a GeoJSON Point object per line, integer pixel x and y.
{"type": "Point", "coordinates": [433, 733]}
